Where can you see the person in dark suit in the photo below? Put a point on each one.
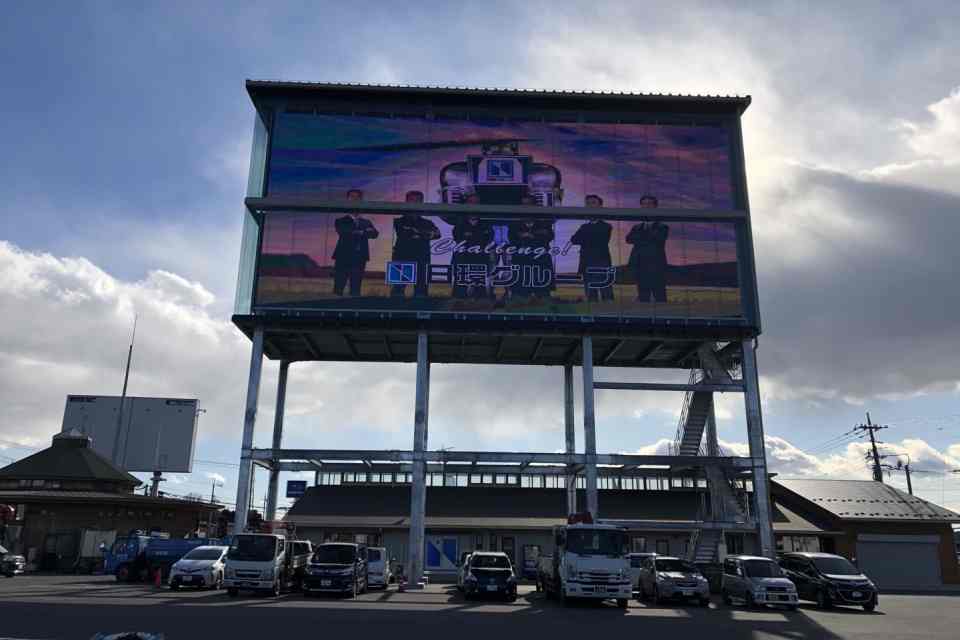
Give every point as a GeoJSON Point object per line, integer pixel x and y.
{"type": "Point", "coordinates": [412, 235]}
{"type": "Point", "coordinates": [527, 236]}
{"type": "Point", "coordinates": [648, 257]}
{"type": "Point", "coordinates": [352, 252]}
{"type": "Point", "coordinates": [593, 237]}
{"type": "Point", "coordinates": [475, 235]}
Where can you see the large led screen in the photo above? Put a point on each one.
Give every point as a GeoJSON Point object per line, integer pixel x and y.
{"type": "Point", "coordinates": [464, 262]}
{"type": "Point", "coordinates": [382, 159]}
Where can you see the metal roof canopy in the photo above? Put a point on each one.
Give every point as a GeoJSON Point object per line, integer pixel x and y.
{"type": "Point", "coordinates": [454, 97]}
{"type": "Point", "coordinates": [393, 460]}
{"type": "Point", "coordinates": [308, 335]}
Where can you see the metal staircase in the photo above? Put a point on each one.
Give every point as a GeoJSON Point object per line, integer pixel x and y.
{"type": "Point", "coordinates": [697, 406]}
{"type": "Point", "coordinates": [703, 545]}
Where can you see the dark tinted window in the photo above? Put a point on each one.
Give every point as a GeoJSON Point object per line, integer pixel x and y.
{"type": "Point", "coordinates": [253, 548]}
{"type": "Point", "coordinates": [675, 565]}
{"type": "Point", "coordinates": [597, 542]}
{"type": "Point", "coordinates": [761, 569]}
{"type": "Point", "coordinates": [836, 566]}
{"type": "Point", "coordinates": [490, 562]}
{"type": "Point", "coordinates": [335, 554]}
{"type": "Point", "coordinates": [374, 555]}
{"type": "Point", "coordinates": [204, 554]}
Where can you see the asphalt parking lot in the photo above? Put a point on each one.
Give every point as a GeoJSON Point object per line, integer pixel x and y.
{"type": "Point", "coordinates": [77, 607]}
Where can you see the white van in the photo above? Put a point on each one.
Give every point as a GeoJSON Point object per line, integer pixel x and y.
{"type": "Point", "coordinates": [378, 567]}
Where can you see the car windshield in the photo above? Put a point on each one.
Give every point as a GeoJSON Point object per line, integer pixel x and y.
{"type": "Point", "coordinates": [490, 562]}
{"type": "Point", "coordinates": [596, 542]}
{"type": "Point", "coordinates": [334, 554]}
{"type": "Point", "coordinates": [253, 548]}
{"type": "Point", "coordinates": [836, 566]}
{"type": "Point", "coordinates": [204, 554]}
{"type": "Point", "coordinates": [373, 555]}
{"type": "Point", "coordinates": [672, 564]}
{"type": "Point", "coordinates": [762, 569]}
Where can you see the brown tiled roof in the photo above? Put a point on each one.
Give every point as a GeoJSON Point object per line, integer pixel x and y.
{"type": "Point", "coordinates": [69, 458]}
{"type": "Point", "coordinates": [866, 500]}
{"type": "Point", "coordinates": [100, 497]}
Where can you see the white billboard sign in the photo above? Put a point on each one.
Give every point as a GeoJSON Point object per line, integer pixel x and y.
{"type": "Point", "coordinates": [156, 434]}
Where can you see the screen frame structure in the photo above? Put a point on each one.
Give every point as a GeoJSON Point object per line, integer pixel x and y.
{"type": "Point", "coordinates": [274, 98]}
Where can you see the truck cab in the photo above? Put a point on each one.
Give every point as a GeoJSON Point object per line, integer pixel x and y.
{"type": "Point", "coordinates": [256, 562]}
{"type": "Point", "coordinates": [588, 561]}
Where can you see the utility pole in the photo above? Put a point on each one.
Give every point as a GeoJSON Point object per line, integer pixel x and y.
{"type": "Point", "coordinates": [115, 458]}
{"type": "Point", "coordinates": [871, 428]}
{"type": "Point", "coordinates": [901, 467]}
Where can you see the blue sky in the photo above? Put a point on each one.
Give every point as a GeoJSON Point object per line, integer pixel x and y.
{"type": "Point", "coordinates": [127, 131]}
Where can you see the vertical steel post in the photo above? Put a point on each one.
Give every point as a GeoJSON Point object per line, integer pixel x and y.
{"type": "Point", "coordinates": [571, 436]}
{"type": "Point", "coordinates": [418, 486]}
{"type": "Point", "coordinates": [758, 456]}
{"type": "Point", "coordinates": [589, 427]}
{"type": "Point", "coordinates": [274, 485]}
{"type": "Point", "coordinates": [245, 476]}
{"type": "Point", "coordinates": [713, 444]}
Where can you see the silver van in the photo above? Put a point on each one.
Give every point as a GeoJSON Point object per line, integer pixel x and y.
{"type": "Point", "coordinates": [378, 567]}
{"type": "Point", "coordinates": [756, 581]}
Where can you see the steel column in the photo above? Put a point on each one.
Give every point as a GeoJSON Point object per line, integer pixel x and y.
{"type": "Point", "coordinates": [758, 456]}
{"type": "Point", "coordinates": [245, 476]}
{"type": "Point", "coordinates": [713, 444]}
{"type": "Point", "coordinates": [274, 484]}
{"type": "Point", "coordinates": [418, 479]}
{"type": "Point", "coordinates": [571, 436]}
{"type": "Point", "coordinates": [589, 427]}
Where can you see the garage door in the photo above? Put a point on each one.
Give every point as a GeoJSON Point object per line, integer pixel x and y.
{"type": "Point", "coordinates": [900, 561]}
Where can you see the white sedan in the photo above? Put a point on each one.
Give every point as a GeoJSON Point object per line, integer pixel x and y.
{"type": "Point", "coordinates": [202, 567]}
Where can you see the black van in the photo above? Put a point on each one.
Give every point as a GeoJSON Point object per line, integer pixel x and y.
{"type": "Point", "coordinates": [828, 580]}
{"type": "Point", "coordinates": [336, 567]}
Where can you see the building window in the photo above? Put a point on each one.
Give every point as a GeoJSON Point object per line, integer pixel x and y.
{"type": "Point", "coordinates": [663, 547]}
{"type": "Point", "coordinates": [798, 543]}
{"type": "Point", "coordinates": [734, 543]}
{"type": "Point", "coordinates": [638, 544]}
{"type": "Point", "coordinates": [478, 543]}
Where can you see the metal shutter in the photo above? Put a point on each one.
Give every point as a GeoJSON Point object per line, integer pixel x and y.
{"type": "Point", "coordinates": [900, 561]}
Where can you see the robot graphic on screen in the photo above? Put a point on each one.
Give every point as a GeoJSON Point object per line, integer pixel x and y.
{"type": "Point", "coordinates": [500, 175]}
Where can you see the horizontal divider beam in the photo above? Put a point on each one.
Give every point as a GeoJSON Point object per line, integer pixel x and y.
{"type": "Point", "coordinates": [660, 386]}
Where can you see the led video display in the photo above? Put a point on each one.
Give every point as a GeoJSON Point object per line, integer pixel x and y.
{"type": "Point", "coordinates": [468, 263]}
{"type": "Point", "coordinates": [545, 164]}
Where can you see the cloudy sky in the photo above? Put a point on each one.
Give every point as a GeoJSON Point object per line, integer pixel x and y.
{"type": "Point", "coordinates": [126, 133]}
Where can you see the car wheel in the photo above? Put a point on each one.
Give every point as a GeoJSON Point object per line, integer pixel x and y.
{"type": "Point", "coordinates": [727, 600]}
{"type": "Point", "coordinates": [823, 600]}
{"type": "Point", "coordinates": [870, 606]}
{"type": "Point", "coordinates": [792, 607]}
{"type": "Point", "coordinates": [705, 602]}
{"type": "Point", "coordinates": [621, 603]}
{"type": "Point", "coordinates": [751, 603]}
{"type": "Point", "coordinates": [123, 573]}
{"type": "Point", "coordinates": [174, 586]}
{"type": "Point", "coordinates": [656, 595]}
{"type": "Point", "coordinates": [232, 592]}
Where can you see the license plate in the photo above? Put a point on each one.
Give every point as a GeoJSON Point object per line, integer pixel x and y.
{"type": "Point", "coordinates": [325, 583]}
{"type": "Point", "coordinates": [491, 587]}
{"type": "Point", "coordinates": [857, 594]}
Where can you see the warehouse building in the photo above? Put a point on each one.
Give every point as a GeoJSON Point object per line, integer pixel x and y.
{"type": "Point", "coordinates": [517, 516]}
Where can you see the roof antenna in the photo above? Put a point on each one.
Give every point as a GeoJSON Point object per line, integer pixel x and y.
{"type": "Point", "coordinates": [123, 394]}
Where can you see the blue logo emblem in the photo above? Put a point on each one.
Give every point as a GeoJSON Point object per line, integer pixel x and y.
{"type": "Point", "coordinates": [401, 273]}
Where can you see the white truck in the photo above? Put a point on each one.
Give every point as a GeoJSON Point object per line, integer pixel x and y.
{"type": "Point", "coordinates": [588, 561]}
{"type": "Point", "coordinates": [265, 562]}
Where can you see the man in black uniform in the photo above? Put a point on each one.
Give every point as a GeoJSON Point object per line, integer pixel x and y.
{"type": "Point", "coordinates": [648, 258]}
{"type": "Point", "coordinates": [352, 252]}
{"type": "Point", "coordinates": [528, 236]}
{"type": "Point", "coordinates": [412, 235]}
{"type": "Point", "coordinates": [594, 240]}
{"type": "Point", "coordinates": [475, 235]}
